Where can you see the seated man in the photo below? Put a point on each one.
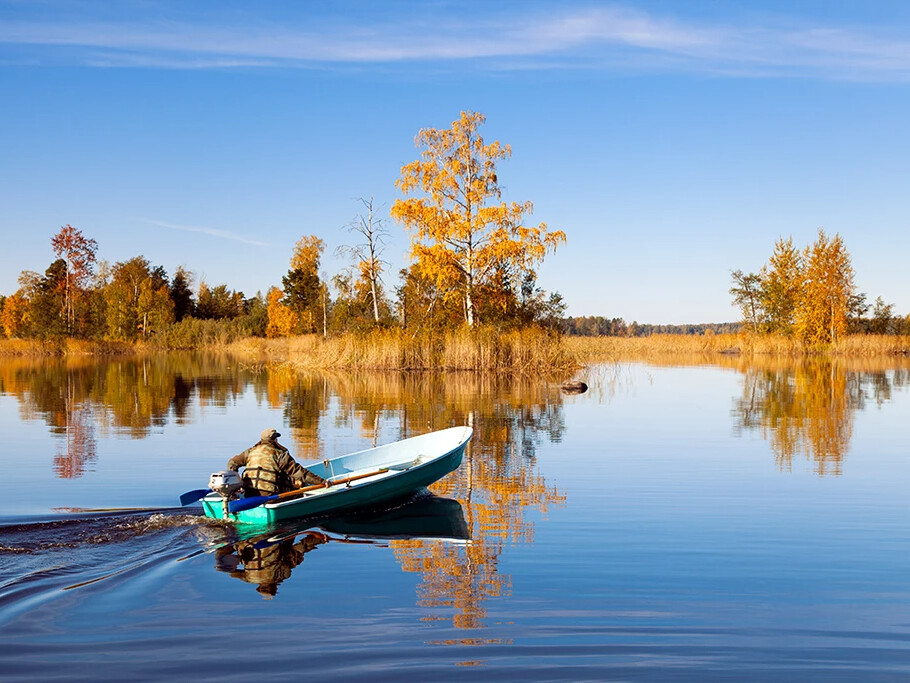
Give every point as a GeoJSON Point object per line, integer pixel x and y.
{"type": "Point", "coordinates": [270, 469]}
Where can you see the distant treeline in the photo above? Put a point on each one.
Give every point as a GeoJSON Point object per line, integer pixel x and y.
{"type": "Point", "coordinates": [598, 326]}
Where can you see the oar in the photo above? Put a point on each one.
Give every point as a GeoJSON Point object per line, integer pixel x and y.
{"type": "Point", "coordinates": [193, 496]}
{"type": "Point", "coordinates": [255, 501]}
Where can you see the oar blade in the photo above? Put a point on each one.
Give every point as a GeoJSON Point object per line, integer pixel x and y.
{"type": "Point", "coordinates": [236, 506]}
{"type": "Point", "coordinates": [193, 496]}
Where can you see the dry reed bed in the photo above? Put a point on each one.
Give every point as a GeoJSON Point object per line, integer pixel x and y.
{"type": "Point", "coordinates": [523, 351]}
{"type": "Point", "coordinates": [65, 347]}
{"type": "Point", "coordinates": [485, 349]}
{"type": "Point", "coordinates": [592, 349]}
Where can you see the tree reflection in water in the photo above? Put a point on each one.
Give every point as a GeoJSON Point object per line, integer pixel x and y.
{"type": "Point", "coordinates": [79, 397]}
{"type": "Point", "coordinates": [806, 407]}
{"type": "Point", "coordinates": [497, 486]}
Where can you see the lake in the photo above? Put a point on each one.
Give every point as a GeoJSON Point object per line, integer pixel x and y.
{"type": "Point", "coordinates": [692, 519]}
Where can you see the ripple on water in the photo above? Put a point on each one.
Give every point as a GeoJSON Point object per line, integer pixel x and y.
{"type": "Point", "coordinates": [40, 559]}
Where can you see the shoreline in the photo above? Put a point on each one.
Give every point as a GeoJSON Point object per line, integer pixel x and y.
{"type": "Point", "coordinates": [485, 349]}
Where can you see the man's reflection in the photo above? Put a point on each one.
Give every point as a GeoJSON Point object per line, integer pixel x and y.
{"type": "Point", "coordinates": [265, 563]}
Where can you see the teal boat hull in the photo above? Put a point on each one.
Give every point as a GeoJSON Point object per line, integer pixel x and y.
{"type": "Point", "coordinates": [411, 464]}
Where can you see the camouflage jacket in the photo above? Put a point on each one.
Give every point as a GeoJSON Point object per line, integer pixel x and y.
{"type": "Point", "coordinates": [270, 469]}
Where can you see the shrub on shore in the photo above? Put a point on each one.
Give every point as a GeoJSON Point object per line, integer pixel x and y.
{"type": "Point", "coordinates": [195, 333]}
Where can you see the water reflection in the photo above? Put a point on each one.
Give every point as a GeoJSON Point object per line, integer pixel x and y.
{"type": "Point", "coordinates": [80, 398]}
{"type": "Point", "coordinates": [267, 559]}
{"type": "Point", "coordinates": [498, 485]}
{"type": "Point", "coordinates": [804, 407]}
{"type": "Point", "coordinates": [497, 490]}
{"type": "Point", "coordinates": [807, 407]}
{"type": "Point", "coordinates": [264, 562]}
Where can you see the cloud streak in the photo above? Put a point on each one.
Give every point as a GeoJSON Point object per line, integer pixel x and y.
{"type": "Point", "coordinates": [598, 37]}
{"type": "Point", "coordinates": [213, 232]}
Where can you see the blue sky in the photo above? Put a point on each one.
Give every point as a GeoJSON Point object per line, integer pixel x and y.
{"type": "Point", "coordinates": [671, 141]}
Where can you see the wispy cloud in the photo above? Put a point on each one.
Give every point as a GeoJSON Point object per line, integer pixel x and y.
{"type": "Point", "coordinates": [214, 232]}
{"type": "Point", "coordinates": [599, 37]}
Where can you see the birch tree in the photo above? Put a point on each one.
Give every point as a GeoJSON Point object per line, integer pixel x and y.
{"type": "Point", "coordinates": [367, 254]}
{"type": "Point", "coordinates": [828, 291]}
{"type": "Point", "coordinates": [461, 230]}
{"type": "Point", "coordinates": [79, 254]}
{"type": "Point", "coordinates": [781, 283]}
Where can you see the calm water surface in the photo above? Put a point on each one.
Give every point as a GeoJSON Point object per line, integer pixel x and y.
{"type": "Point", "coordinates": [725, 521]}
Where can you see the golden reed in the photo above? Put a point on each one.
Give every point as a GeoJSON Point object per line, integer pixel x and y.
{"type": "Point", "coordinates": [593, 349]}
{"type": "Point", "coordinates": [65, 347]}
{"type": "Point", "coordinates": [483, 348]}
{"type": "Point", "coordinates": [529, 350]}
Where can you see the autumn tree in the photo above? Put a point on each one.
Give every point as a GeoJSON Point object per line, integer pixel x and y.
{"type": "Point", "coordinates": [828, 291]}
{"type": "Point", "coordinates": [155, 308]}
{"type": "Point", "coordinates": [303, 290]}
{"type": "Point", "coordinates": [14, 316]}
{"type": "Point", "coordinates": [367, 254]}
{"type": "Point", "coordinates": [781, 284]}
{"type": "Point", "coordinates": [536, 306]}
{"type": "Point", "coordinates": [746, 291]}
{"type": "Point", "coordinates": [47, 306]}
{"type": "Point", "coordinates": [282, 321]}
{"type": "Point", "coordinates": [78, 253]}
{"type": "Point", "coordinates": [421, 301]}
{"type": "Point", "coordinates": [137, 300]}
{"type": "Point", "coordinates": [461, 231]}
{"type": "Point", "coordinates": [122, 297]}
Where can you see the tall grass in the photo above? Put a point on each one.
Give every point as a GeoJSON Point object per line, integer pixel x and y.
{"type": "Point", "coordinates": [592, 349]}
{"type": "Point", "coordinates": [521, 351]}
{"type": "Point", "coordinates": [483, 348]}
{"type": "Point", "coordinates": [872, 345]}
{"type": "Point", "coordinates": [64, 347]}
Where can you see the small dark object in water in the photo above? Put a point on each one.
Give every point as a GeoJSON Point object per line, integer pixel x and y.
{"type": "Point", "coordinates": [577, 387]}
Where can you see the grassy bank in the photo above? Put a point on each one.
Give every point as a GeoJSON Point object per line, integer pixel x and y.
{"type": "Point", "coordinates": [593, 349]}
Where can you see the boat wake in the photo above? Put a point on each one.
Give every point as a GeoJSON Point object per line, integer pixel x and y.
{"type": "Point", "coordinates": [90, 530]}
{"type": "Point", "coordinates": [101, 555]}
{"type": "Point", "coordinates": [40, 559]}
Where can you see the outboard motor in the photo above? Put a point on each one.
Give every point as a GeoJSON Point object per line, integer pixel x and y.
{"type": "Point", "coordinates": [225, 483]}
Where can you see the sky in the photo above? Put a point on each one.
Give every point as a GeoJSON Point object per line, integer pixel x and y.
{"type": "Point", "coordinates": [672, 142]}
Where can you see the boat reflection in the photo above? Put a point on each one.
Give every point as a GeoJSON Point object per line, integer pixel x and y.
{"type": "Point", "coordinates": [267, 559]}
{"type": "Point", "coordinates": [264, 563]}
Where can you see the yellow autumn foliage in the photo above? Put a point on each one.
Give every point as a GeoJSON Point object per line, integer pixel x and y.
{"type": "Point", "coordinates": [461, 232]}
{"type": "Point", "coordinates": [282, 320]}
